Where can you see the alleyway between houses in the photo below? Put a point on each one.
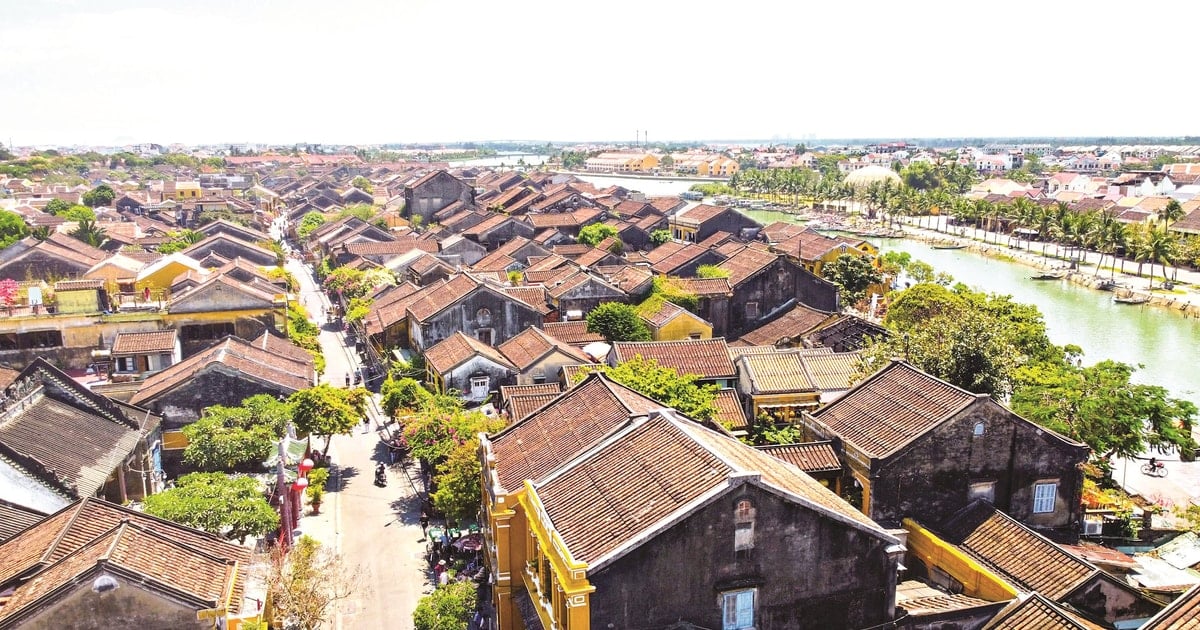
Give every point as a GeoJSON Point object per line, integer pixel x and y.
{"type": "Point", "coordinates": [375, 529]}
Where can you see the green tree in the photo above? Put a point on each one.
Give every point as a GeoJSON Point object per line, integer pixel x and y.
{"type": "Point", "coordinates": [217, 503]}
{"type": "Point", "coordinates": [78, 213]}
{"type": "Point", "coordinates": [458, 494]}
{"type": "Point", "coordinates": [921, 176]}
{"type": "Point", "coordinates": [402, 394]}
{"type": "Point", "coordinates": [100, 196]}
{"type": "Point", "coordinates": [658, 237]}
{"type": "Point", "coordinates": [449, 607]}
{"type": "Point", "coordinates": [233, 438]}
{"type": "Point", "coordinates": [363, 184]}
{"type": "Point", "coordinates": [90, 233]}
{"type": "Point", "coordinates": [12, 228]}
{"type": "Point", "coordinates": [1099, 406]}
{"type": "Point", "coordinates": [853, 275]}
{"type": "Point", "coordinates": [310, 222]}
{"type": "Point", "coordinates": [617, 322]}
{"type": "Point", "coordinates": [325, 411]}
{"type": "Point", "coordinates": [56, 206]}
{"type": "Point", "coordinates": [596, 232]}
{"type": "Point", "coordinates": [665, 385]}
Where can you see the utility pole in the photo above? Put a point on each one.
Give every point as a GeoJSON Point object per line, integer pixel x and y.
{"type": "Point", "coordinates": [285, 508]}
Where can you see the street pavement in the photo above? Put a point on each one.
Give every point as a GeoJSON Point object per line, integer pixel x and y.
{"type": "Point", "coordinates": [374, 529]}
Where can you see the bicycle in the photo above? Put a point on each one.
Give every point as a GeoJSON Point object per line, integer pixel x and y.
{"type": "Point", "coordinates": [1157, 469]}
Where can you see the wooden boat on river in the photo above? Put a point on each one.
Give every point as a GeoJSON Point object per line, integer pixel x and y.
{"type": "Point", "coordinates": [948, 246]}
{"type": "Point", "coordinates": [1049, 275]}
{"type": "Point", "coordinates": [1131, 299]}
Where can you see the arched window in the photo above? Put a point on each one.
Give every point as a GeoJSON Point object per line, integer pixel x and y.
{"type": "Point", "coordinates": [978, 428]}
{"type": "Point", "coordinates": [483, 317]}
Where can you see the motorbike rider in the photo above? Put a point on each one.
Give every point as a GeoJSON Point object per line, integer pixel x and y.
{"type": "Point", "coordinates": [380, 474]}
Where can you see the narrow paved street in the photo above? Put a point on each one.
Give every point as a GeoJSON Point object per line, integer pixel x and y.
{"type": "Point", "coordinates": [375, 529]}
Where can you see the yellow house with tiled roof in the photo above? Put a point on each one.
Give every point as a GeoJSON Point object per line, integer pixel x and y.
{"type": "Point", "coordinates": [592, 500]}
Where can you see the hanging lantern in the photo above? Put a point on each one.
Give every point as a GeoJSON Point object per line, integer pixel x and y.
{"type": "Point", "coordinates": [305, 466]}
{"type": "Point", "coordinates": [301, 484]}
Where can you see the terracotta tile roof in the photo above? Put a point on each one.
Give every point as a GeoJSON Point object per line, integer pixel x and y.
{"type": "Point", "coordinates": [551, 220]}
{"type": "Point", "coordinates": [1016, 552]}
{"type": "Point", "coordinates": [831, 371]}
{"type": "Point", "coordinates": [651, 222]}
{"type": "Point", "coordinates": [550, 277]}
{"type": "Point", "coordinates": [160, 341]}
{"type": "Point", "coordinates": [496, 261]}
{"type": "Point", "coordinates": [78, 285]}
{"type": "Point", "coordinates": [428, 303]}
{"type": "Point", "coordinates": [523, 406]}
{"type": "Point", "coordinates": [666, 204]}
{"type": "Point", "coordinates": [738, 349]}
{"type": "Point", "coordinates": [811, 457]}
{"type": "Point", "coordinates": [512, 245]}
{"type": "Point", "coordinates": [698, 214]}
{"type": "Point", "coordinates": [534, 296]}
{"type": "Point", "coordinates": [608, 501]}
{"type": "Point", "coordinates": [706, 286]}
{"type": "Point", "coordinates": [665, 313]}
{"type": "Point", "coordinates": [592, 256]}
{"type": "Point", "coordinates": [1038, 613]}
{"type": "Point", "coordinates": [570, 250]}
{"type": "Point", "coordinates": [1182, 614]}
{"type": "Point", "coordinates": [426, 263]}
{"type": "Point", "coordinates": [681, 257]}
{"type": "Point", "coordinates": [574, 333]}
{"type": "Point", "coordinates": [546, 263]}
{"type": "Point", "coordinates": [531, 345]}
{"type": "Point", "coordinates": [776, 373]}
{"type": "Point", "coordinates": [565, 285]}
{"type": "Point", "coordinates": [921, 600]}
{"type": "Point", "coordinates": [508, 391]}
{"type": "Point", "coordinates": [454, 350]}
{"type": "Point", "coordinates": [391, 307]}
{"type": "Point", "coordinates": [538, 444]}
{"type": "Point", "coordinates": [891, 408]}
{"type": "Point", "coordinates": [628, 278]}
{"type": "Point", "coordinates": [662, 251]}
{"type": "Point", "coordinates": [729, 410]}
{"type": "Point", "coordinates": [792, 325]}
{"type": "Point", "coordinates": [746, 263]}
{"type": "Point", "coordinates": [178, 557]}
{"type": "Point", "coordinates": [487, 225]}
{"type": "Point", "coordinates": [66, 446]}
{"type": "Point", "coordinates": [396, 247]}
{"type": "Point", "coordinates": [708, 358]}
{"type": "Point", "coordinates": [253, 362]}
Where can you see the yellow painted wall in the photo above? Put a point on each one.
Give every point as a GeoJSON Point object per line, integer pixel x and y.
{"type": "Point", "coordinates": [162, 278]}
{"type": "Point", "coordinates": [809, 399]}
{"type": "Point", "coordinates": [682, 327]}
{"type": "Point", "coordinates": [977, 581]}
{"type": "Point", "coordinates": [78, 301]}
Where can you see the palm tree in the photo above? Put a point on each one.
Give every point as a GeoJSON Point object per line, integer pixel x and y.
{"type": "Point", "coordinates": [983, 208]}
{"type": "Point", "coordinates": [1160, 248]}
{"type": "Point", "coordinates": [90, 233]}
{"type": "Point", "coordinates": [1098, 237]}
{"type": "Point", "coordinates": [1171, 213]}
{"type": "Point", "coordinates": [1045, 224]}
{"type": "Point", "coordinates": [41, 232]}
{"type": "Point", "coordinates": [1118, 238]}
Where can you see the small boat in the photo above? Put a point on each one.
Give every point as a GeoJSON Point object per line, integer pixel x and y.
{"type": "Point", "coordinates": [949, 246]}
{"type": "Point", "coordinates": [1131, 299]}
{"type": "Point", "coordinates": [1050, 275]}
{"type": "Point", "coordinates": [1107, 285]}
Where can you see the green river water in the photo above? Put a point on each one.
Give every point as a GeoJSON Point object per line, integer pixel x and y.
{"type": "Point", "coordinates": [1166, 344]}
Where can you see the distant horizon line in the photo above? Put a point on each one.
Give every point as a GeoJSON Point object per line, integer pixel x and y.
{"type": "Point", "coordinates": [919, 140]}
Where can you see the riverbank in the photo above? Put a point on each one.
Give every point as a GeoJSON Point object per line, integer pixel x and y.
{"type": "Point", "coordinates": [663, 178]}
{"type": "Point", "coordinates": [1184, 299]}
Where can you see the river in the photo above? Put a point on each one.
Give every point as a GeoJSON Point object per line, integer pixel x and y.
{"type": "Point", "coordinates": [1166, 344]}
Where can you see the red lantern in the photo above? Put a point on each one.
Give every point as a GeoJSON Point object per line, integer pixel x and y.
{"type": "Point", "coordinates": [301, 484]}
{"type": "Point", "coordinates": [305, 466]}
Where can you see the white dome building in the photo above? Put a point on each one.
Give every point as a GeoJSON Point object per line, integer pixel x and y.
{"type": "Point", "coordinates": [868, 175]}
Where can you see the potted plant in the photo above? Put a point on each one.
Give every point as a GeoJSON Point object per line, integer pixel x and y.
{"type": "Point", "coordinates": [316, 488]}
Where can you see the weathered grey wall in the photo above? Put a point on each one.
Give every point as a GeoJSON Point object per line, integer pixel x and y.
{"type": "Point", "coordinates": [811, 572]}
{"type": "Point", "coordinates": [214, 385]}
{"type": "Point", "coordinates": [435, 194]}
{"type": "Point", "coordinates": [128, 606]}
{"type": "Point", "coordinates": [773, 287]}
{"type": "Point", "coordinates": [1107, 599]}
{"type": "Point", "coordinates": [508, 317]}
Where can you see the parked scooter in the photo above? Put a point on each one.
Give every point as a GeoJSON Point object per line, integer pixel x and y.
{"type": "Point", "coordinates": [381, 475]}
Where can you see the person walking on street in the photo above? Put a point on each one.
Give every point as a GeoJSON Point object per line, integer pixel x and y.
{"type": "Point", "coordinates": [347, 379]}
{"type": "Point", "coordinates": [424, 523]}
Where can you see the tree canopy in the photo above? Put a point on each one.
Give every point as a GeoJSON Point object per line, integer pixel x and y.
{"type": "Point", "coordinates": [448, 607]}
{"type": "Point", "coordinates": [327, 411]}
{"type": "Point", "coordinates": [310, 222]}
{"type": "Point", "coordinates": [12, 228]}
{"type": "Point", "coordinates": [665, 385]}
{"type": "Point", "coordinates": [363, 184]}
{"type": "Point", "coordinates": [617, 322]}
{"type": "Point", "coordinates": [100, 196]}
{"type": "Point", "coordinates": [853, 275]}
{"type": "Point", "coordinates": [236, 438]}
{"type": "Point", "coordinates": [596, 232]}
{"type": "Point", "coordinates": [216, 503]}
{"type": "Point", "coordinates": [306, 582]}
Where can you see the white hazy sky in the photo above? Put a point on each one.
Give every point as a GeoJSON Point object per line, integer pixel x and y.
{"type": "Point", "coordinates": [374, 71]}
